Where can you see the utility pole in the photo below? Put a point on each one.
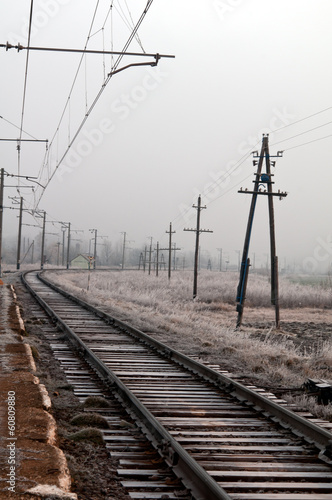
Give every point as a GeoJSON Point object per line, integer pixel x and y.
{"type": "Point", "coordinates": [43, 243]}
{"type": "Point", "coordinates": [68, 246]}
{"type": "Point", "coordinates": [95, 247]}
{"type": "Point", "coordinates": [2, 175]}
{"type": "Point", "coordinates": [157, 258]}
{"type": "Point", "coordinates": [198, 230]}
{"type": "Point", "coordinates": [220, 258]}
{"type": "Point", "coordinates": [63, 229]}
{"type": "Point", "coordinates": [174, 255]}
{"type": "Point", "coordinates": [170, 232]}
{"type": "Point", "coordinates": [123, 250]}
{"type": "Point", "coordinates": [150, 254]}
{"type": "Point", "coordinates": [95, 251]}
{"type": "Point", "coordinates": [18, 264]}
{"type": "Point", "coordinates": [140, 260]}
{"type": "Point", "coordinates": [58, 253]}
{"type": "Point", "coordinates": [262, 186]}
{"type": "Point", "coordinates": [144, 261]}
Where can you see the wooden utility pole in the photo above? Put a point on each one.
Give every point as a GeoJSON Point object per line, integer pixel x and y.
{"type": "Point", "coordinates": [18, 262]}
{"type": "Point", "coordinates": [144, 262]}
{"type": "Point", "coordinates": [123, 250]}
{"type": "Point", "coordinates": [141, 260]}
{"type": "Point", "coordinates": [170, 232]}
{"type": "Point", "coordinates": [262, 186]}
{"type": "Point", "coordinates": [220, 258]}
{"type": "Point", "coordinates": [157, 258]}
{"type": "Point", "coordinates": [169, 249]}
{"type": "Point", "coordinates": [150, 255]}
{"type": "Point", "coordinates": [198, 231]}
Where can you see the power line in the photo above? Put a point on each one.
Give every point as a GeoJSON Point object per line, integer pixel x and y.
{"type": "Point", "coordinates": [308, 142]}
{"type": "Point", "coordinates": [302, 119]}
{"type": "Point", "coordinates": [302, 133]}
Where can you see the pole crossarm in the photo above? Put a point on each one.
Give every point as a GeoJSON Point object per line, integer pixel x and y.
{"type": "Point", "coordinates": [199, 230]}
{"type": "Point", "coordinates": [164, 249]}
{"type": "Point", "coordinates": [266, 193]}
{"type": "Point", "coordinates": [24, 140]}
{"type": "Point", "coordinates": [27, 177]}
{"type": "Point", "coordinates": [20, 47]}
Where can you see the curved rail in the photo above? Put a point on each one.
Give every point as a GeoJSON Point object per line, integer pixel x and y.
{"type": "Point", "coordinates": [314, 433]}
{"type": "Point", "coordinates": [195, 478]}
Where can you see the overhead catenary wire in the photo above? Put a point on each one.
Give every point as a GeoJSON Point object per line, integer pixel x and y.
{"type": "Point", "coordinates": [117, 62]}
{"type": "Point", "coordinates": [24, 90]}
{"type": "Point", "coordinates": [75, 79]}
{"type": "Point", "coordinates": [19, 128]}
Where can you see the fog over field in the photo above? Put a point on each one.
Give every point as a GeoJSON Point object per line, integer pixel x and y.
{"type": "Point", "coordinates": [137, 158]}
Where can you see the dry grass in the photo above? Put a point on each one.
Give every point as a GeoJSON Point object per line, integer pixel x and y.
{"type": "Point", "coordinates": [90, 420]}
{"type": "Point", "coordinates": [205, 326]}
{"type": "Point", "coordinates": [94, 436]}
{"type": "Point", "coordinates": [96, 402]}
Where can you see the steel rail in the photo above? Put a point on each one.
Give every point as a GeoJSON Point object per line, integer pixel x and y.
{"type": "Point", "coordinates": [192, 475]}
{"type": "Point", "coordinates": [288, 419]}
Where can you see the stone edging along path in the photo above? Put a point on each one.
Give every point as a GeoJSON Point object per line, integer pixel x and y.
{"type": "Point", "coordinates": [31, 464]}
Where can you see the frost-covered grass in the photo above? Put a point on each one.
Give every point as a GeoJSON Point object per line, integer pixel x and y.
{"type": "Point", "coordinates": [213, 288]}
{"type": "Point", "coordinates": [205, 326]}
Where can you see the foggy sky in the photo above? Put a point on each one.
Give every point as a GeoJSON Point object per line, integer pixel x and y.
{"type": "Point", "coordinates": [159, 137]}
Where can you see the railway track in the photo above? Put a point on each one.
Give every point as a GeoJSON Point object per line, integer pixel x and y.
{"type": "Point", "coordinates": [221, 439]}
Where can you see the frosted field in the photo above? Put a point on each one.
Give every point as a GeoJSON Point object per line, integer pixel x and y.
{"type": "Point", "coordinates": [205, 327]}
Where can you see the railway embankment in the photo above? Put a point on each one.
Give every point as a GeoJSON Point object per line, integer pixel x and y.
{"type": "Point", "coordinates": [32, 466]}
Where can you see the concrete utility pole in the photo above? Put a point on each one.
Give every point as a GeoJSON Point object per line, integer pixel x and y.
{"type": "Point", "coordinates": [198, 230]}
{"type": "Point", "coordinates": [18, 264]}
{"type": "Point", "coordinates": [95, 247]}
{"type": "Point", "coordinates": [2, 175]}
{"type": "Point", "coordinates": [262, 186]}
